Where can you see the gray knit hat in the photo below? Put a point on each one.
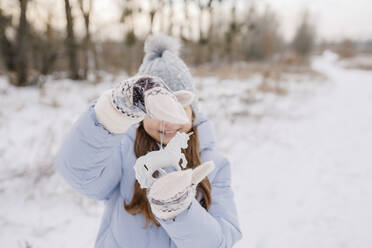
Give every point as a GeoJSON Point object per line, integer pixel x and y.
{"type": "Point", "coordinates": [162, 60]}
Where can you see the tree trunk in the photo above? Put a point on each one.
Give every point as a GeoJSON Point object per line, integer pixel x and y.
{"type": "Point", "coordinates": [87, 45]}
{"type": "Point", "coordinates": [186, 27]}
{"type": "Point", "coordinates": [7, 52]}
{"type": "Point", "coordinates": [7, 48]}
{"type": "Point", "coordinates": [211, 56]}
{"type": "Point", "coordinates": [49, 53]}
{"type": "Point", "coordinates": [21, 47]}
{"type": "Point", "coordinates": [96, 60]}
{"type": "Point", "coordinates": [152, 15]}
{"type": "Point", "coordinates": [71, 46]}
{"type": "Point", "coordinates": [170, 18]}
{"type": "Point", "coordinates": [201, 10]}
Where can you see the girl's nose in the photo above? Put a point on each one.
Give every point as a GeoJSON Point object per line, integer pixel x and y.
{"type": "Point", "coordinates": [171, 126]}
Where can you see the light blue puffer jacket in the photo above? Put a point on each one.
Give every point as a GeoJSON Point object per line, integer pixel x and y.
{"type": "Point", "coordinates": [99, 165]}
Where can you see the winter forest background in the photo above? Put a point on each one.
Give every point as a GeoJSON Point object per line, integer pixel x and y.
{"type": "Point", "coordinates": [290, 99]}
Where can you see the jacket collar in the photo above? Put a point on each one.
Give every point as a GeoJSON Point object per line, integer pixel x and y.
{"type": "Point", "coordinates": [203, 125]}
{"type": "Point", "coordinates": [205, 131]}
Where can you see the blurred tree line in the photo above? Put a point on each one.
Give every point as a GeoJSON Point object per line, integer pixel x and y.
{"type": "Point", "coordinates": [212, 31]}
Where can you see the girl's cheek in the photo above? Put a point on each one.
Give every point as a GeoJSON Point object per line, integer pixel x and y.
{"type": "Point", "coordinates": [186, 127]}
{"type": "Point", "coordinates": [154, 125]}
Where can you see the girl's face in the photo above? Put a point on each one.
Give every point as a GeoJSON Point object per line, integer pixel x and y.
{"type": "Point", "coordinates": [154, 129]}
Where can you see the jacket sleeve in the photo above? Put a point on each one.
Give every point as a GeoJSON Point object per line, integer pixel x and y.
{"type": "Point", "coordinates": [216, 228]}
{"type": "Point", "coordinates": [90, 157]}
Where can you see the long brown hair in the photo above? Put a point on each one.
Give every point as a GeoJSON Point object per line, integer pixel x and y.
{"type": "Point", "coordinates": [143, 144]}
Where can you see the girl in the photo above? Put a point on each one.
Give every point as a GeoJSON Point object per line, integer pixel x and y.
{"type": "Point", "coordinates": [125, 123]}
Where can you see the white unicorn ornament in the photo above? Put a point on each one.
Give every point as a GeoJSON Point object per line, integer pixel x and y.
{"type": "Point", "coordinates": [156, 160]}
{"type": "Point", "coordinates": [173, 192]}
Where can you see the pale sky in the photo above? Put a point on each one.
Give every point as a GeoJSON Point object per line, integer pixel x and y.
{"type": "Point", "coordinates": [335, 19]}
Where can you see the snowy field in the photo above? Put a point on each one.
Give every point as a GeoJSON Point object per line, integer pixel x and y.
{"type": "Point", "coordinates": [302, 161]}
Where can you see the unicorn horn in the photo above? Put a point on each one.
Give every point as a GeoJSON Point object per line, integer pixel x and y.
{"type": "Point", "coordinates": [190, 133]}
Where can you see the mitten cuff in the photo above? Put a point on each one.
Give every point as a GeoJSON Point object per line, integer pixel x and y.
{"type": "Point", "coordinates": [170, 210]}
{"type": "Point", "coordinates": [110, 118]}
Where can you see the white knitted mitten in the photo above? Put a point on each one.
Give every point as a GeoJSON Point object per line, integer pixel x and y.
{"type": "Point", "coordinates": [117, 109]}
{"type": "Point", "coordinates": [172, 193]}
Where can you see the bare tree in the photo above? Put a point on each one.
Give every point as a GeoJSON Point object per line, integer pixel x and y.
{"type": "Point", "coordinates": [88, 46]}
{"type": "Point", "coordinates": [160, 13]}
{"type": "Point", "coordinates": [212, 31]}
{"type": "Point", "coordinates": [303, 40]}
{"type": "Point", "coordinates": [200, 55]}
{"type": "Point", "coordinates": [127, 18]}
{"type": "Point", "coordinates": [71, 45]}
{"type": "Point", "coordinates": [186, 28]}
{"type": "Point", "coordinates": [49, 52]}
{"type": "Point", "coordinates": [7, 48]}
{"type": "Point", "coordinates": [232, 33]}
{"type": "Point", "coordinates": [212, 39]}
{"type": "Point", "coordinates": [130, 9]}
{"type": "Point", "coordinates": [154, 7]}
{"type": "Point", "coordinates": [21, 46]}
{"type": "Point", "coordinates": [170, 18]}
{"type": "Point", "coordinates": [202, 6]}
{"type": "Point", "coordinates": [260, 38]}
{"type": "Point", "coordinates": [30, 54]}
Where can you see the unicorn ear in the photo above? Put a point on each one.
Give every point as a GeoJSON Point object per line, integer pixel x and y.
{"type": "Point", "coordinates": [185, 97]}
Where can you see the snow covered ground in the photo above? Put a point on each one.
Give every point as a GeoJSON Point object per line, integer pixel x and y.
{"type": "Point", "coordinates": [307, 182]}
{"type": "Point", "coordinates": [302, 161]}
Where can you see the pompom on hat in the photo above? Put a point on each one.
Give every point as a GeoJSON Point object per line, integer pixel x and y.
{"type": "Point", "coordinates": [162, 60]}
